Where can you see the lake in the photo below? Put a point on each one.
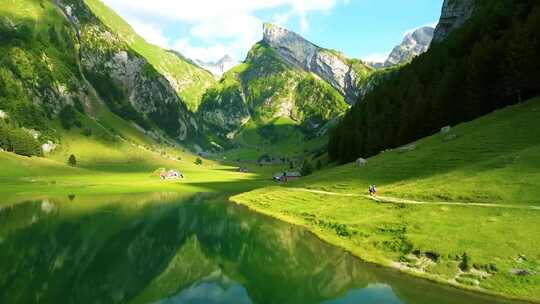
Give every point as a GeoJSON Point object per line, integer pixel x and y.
{"type": "Point", "coordinates": [173, 248]}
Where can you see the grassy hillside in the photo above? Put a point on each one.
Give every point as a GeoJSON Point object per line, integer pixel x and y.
{"type": "Point", "coordinates": [494, 160]}
{"type": "Point", "coordinates": [261, 99]}
{"type": "Point", "coordinates": [39, 62]}
{"type": "Point", "coordinates": [189, 80]}
{"type": "Point", "coordinates": [60, 68]}
{"type": "Point", "coordinates": [123, 162]}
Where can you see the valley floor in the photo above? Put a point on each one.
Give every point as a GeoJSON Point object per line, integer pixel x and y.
{"type": "Point", "coordinates": [462, 211]}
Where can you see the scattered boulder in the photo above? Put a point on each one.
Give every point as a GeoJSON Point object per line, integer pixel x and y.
{"type": "Point", "coordinates": [47, 206]}
{"type": "Point", "coordinates": [407, 148]}
{"type": "Point", "coordinates": [3, 115]}
{"type": "Point", "coordinates": [446, 129]}
{"type": "Point", "coordinates": [48, 147]}
{"type": "Point", "coordinates": [361, 162]}
{"type": "Point", "coordinates": [450, 137]}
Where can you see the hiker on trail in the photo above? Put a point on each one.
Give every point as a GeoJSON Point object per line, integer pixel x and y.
{"type": "Point", "coordinates": [372, 190]}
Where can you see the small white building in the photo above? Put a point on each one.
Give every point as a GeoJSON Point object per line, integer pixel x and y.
{"type": "Point", "coordinates": [171, 174]}
{"type": "Point", "coordinates": [286, 176]}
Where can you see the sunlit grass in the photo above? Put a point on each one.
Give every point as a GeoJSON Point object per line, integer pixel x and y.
{"type": "Point", "coordinates": [495, 159]}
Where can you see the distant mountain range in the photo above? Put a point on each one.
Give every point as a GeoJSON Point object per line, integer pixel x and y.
{"type": "Point", "coordinates": [219, 67]}
{"type": "Point", "coordinates": [413, 44]}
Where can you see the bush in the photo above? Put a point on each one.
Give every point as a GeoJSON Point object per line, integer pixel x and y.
{"type": "Point", "coordinates": [68, 118]}
{"type": "Point", "coordinates": [72, 161]}
{"type": "Point", "coordinates": [319, 165]}
{"type": "Point", "coordinates": [198, 161]}
{"type": "Point", "coordinates": [465, 263]}
{"type": "Point", "coordinates": [18, 141]}
{"type": "Point", "coordinates": [87, 132]}
{"type": "Point", "coordinates": [307, 168]}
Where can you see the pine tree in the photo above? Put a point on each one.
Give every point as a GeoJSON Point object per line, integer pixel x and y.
{"type": "Point", "coordinates": [72, 161]}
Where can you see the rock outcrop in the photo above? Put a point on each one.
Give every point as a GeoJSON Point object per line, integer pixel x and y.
{"type": "Point", "coordinates": [454, 14]}
{"type": "Point", "coordinates": [123, 78]}
{"type": "Point", "coordinates": [331, 66]}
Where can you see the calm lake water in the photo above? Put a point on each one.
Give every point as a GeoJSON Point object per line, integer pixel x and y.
{"type": "Point", "coordinates": [165, 248]}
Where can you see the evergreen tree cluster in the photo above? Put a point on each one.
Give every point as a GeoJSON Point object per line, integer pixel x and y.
{"type": "Point", "coordinates": [68, 118]}
{"type": "Point", "coordinates": [18, 141]}
{"type": "Point", "coordinates": [489, 63]}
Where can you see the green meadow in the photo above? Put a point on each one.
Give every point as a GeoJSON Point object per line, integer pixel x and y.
{"type": "Point", "coordinates": [117, 158]}
{"type": "Point", "coordinates": [494, 160]}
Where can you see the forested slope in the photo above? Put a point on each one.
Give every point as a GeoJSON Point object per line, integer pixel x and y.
{"type": "Point", "coordinates": [489, 63]}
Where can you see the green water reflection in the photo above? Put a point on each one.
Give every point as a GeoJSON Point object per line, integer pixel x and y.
{"type": "Point", "coordinates": [166, 248]}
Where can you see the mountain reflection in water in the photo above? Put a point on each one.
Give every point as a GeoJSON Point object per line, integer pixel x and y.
{"type": "Point", "coordinates": [169, 248]}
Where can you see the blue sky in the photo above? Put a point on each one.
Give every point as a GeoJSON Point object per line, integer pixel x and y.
{"type": "Point", "coordinates": [209, 29]}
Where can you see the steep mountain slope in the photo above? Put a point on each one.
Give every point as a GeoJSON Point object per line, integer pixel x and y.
{"type": "Point", "coordinates": [454, 14]}
{"type": "Point", "coordinates": [287, 91]}
{"type": "Point", "coordinates": [62, 63]}
{"type": "Point", "coordinates": [219, 67]}
{"type": "Point", "coordinates": [265, 88]}
{"type": "Point", "coordinates": [188, 80]}
{"type": "Point", "coordinates": [342, 73]}
{"type": "Point", "coordinates": [488, 63]}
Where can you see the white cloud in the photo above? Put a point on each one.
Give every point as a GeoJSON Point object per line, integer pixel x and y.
{"type": "Point", "coordinates": [376, 57]}
{"type": "Point", "coordinates": [150, 33]}
{"type": "Point", "coordinates": [207, 54]}
{"type": "Point", "coordinates": [194, 11]}
{"type": "Point", "coordinates": [230, 25]}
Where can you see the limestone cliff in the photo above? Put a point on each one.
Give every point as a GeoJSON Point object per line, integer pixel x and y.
{"type": "Point", "coordinates": [126, 81]}
{"type": "Point", "coordinates": [330, 65]}
{"type": "Point", "coordinates": [454, 14]}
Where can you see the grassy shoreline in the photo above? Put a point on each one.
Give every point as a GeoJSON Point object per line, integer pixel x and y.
{"type": "Point", "coordinates": [488, 165]}
{"type": "Point", "coordinates": [329, 237]}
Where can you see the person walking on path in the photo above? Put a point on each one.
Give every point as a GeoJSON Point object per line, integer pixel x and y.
{"type": "Point", "coordinates": [372, 190]}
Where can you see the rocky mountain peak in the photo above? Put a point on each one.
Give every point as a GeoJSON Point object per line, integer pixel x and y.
{"type": "Point", "coordinates": [289, 44]}
{"type": "Point", "coordinates": [454, 14]}
{"type": "Point", "coordinates": [330, 65]}
{"type": "Point", "coordinates": [414, 44]}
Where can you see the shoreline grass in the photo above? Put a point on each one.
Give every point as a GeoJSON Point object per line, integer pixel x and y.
{"type": "Point", "coordinates": [368, 258]}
